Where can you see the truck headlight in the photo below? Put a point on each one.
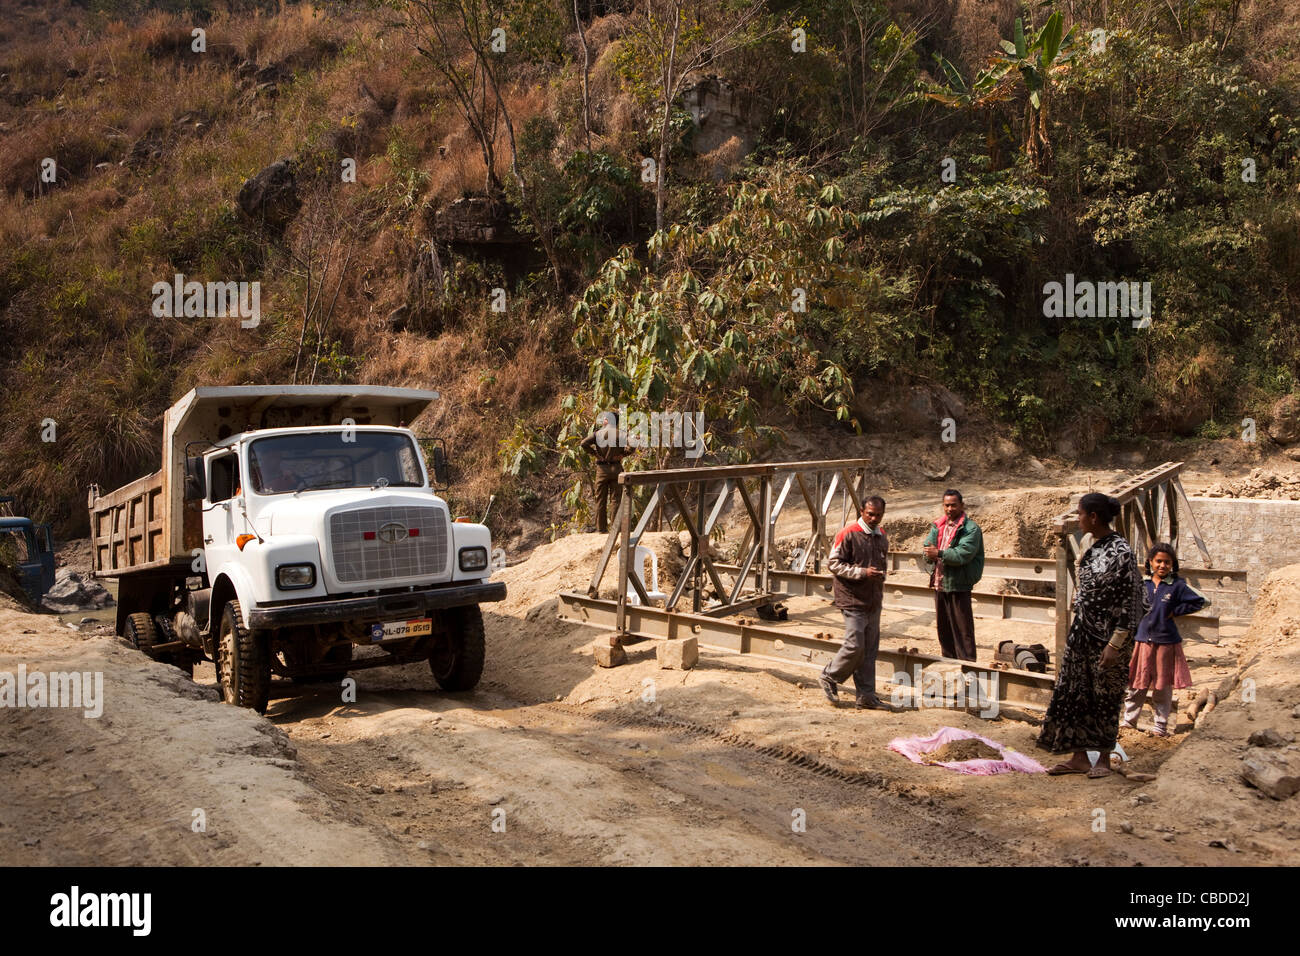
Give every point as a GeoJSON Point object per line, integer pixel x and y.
{"type": "Point", "coordinates": [473, 559]}
{"type": "Point", "coordinates": [291, 577]}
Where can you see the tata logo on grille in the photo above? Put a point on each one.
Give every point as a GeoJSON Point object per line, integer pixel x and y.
{"type": "Point", "coordinates": [392, 532]}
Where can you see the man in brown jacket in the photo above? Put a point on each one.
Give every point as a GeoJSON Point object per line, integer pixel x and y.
{"type": "Point", "coordinates": [603, 445]}
{"type": "Point", "coordinates": [857, 566]}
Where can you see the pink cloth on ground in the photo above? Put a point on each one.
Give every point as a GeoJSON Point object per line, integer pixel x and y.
{"type": "Point", "coordinates": [913, 747]}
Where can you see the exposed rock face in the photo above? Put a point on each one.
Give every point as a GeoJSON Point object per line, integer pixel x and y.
{"type": "Point", "coordinates": [907, 406]}
{"type": "Point", "coordinates": [473, 228]}
{"type": "Point", "coordinates": [476, 221]}
{"type": "Point", "coordinates": [271, 197]}
{"type": "Point", "coordinates": [72, 592]}
{"type": "Point", "coordinates": [722, 116]}
{"type": "Point", "coordinates": [1284, 428]}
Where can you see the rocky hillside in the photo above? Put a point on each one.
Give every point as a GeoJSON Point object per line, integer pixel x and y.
{"type": "Point", "coordinates": [833, 202]}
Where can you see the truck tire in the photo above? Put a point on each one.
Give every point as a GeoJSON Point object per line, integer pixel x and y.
{"type": "Point", "coordinates": [243, 662]}
{"type": "Point", "coordinates": [141, 632]}
{"type": "Point", "coordinates": [457, 660]}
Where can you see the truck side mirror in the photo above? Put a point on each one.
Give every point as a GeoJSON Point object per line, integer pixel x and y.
{"type": "Point", "coordinates": [196, 487]}
{"type": "Point", "coordinates": [435, 455]}
{"type": "Point", "coordinates": [440, 465]}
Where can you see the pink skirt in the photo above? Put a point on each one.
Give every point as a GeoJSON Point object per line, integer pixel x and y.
{"type": "Point", "coordinates": [1158, 666]}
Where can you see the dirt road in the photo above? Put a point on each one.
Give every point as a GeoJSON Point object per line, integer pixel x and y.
{"type": "Point", "coordinates": [554, 761]}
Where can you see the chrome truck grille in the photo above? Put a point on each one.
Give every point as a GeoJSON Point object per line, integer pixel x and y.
{"type": "Point", "coordinates": [376, 544]}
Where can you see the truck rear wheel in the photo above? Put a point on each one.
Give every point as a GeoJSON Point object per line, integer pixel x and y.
{"type": "Point", "coordinates": [140, 631]}
{"type": "Point", "coordinates": [457, 658]}
{"type": "Point", "coordinates": [243, 662]}
{"type": "Point", "coordinates": [142, 634]}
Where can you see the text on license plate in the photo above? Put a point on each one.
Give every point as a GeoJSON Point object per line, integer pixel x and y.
{"type": "Point", "coordinates": [395, 629]}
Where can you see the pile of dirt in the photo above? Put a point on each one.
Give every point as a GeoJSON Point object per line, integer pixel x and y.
{"type": "Point", "coordinates": [76, 555]}
{"type": "Point", "coordinates": [961, 750]}
{"type": "Point", "coordinates": [1258, 484]}
{"type": "Point", "coordinates": [907, 532]}
{"type": "Point", "coordinates": [1021, 523]}
{"type": "Point", "coordinates": [1202, 781]}
{"type": "Point", "coordinates": [567, 565]}
{"type": "Point", "coordinates": [1013, 524]}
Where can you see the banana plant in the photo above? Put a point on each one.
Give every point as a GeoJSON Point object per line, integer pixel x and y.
{"type": "Point", "coordinates": [1035, 60]}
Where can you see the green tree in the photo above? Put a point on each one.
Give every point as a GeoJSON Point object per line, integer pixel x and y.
{"type": "Point", "coordinates": [1035, 61]}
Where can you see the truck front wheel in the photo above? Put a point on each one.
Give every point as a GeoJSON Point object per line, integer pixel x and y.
{"type": "Point", "coordinates": [243, 662]}
{"type": "Point", "coordinates": [457, 657]}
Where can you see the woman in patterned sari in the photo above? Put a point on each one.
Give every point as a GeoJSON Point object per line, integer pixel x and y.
{"type": "Point", "coordinates": [1110, 601]}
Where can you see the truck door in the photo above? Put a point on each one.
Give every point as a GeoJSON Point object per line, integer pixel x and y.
{"type": "Point", "coordinates": [18, 546]}
{"type": "Point", "coordinates": [220, 522]}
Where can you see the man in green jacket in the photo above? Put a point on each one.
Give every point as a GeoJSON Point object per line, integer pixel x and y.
{"type": "Point", "coordinates": [954, 552]}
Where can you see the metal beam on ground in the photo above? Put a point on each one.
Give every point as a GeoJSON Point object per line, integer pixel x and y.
{"type": "Point", "coordinates": [920, 597]}
{"type": "Point", "coordinates": [1011, 568]}
{"type": "Point", "coordinates": [1043, 570]}
{"type": "Point", "coordinates": [1023, 689]}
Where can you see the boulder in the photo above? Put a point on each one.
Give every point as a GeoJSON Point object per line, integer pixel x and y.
{"type": "Point", "coordinates": [1003, 451]}
{"type": "Point", "coordinates": [1269, 738]}
{"type": "Point", "coordinates": [1273, 773]}
{"type": "Point", "coordinates": [727, 123]}
{"type": "Point", "coordinates": [72, 592]}
{"type": "Point", "coordinates": [273, 73]}
{"type": "Point", "coordinates": [271, 197]}
{"type": "Point", "coordinates": [398, 318]}
{"type": "Point", "coordinates": [1284, 423]}
{"type": "Point", "coordinates": [895, 405]}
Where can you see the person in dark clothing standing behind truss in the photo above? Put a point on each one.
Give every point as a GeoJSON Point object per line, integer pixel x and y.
{"type": "Point", "coordinates": [954, 550]}
{"type": "Point", "coordinates": [603, 445]}
{"type": "Point", "coordinates": [857, 565]}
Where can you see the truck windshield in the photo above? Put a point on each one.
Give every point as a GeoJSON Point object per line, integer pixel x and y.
{"type": "Point", "coordinates": [354, 459]}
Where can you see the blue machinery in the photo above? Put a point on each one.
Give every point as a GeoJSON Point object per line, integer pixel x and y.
{"type": "Point", "coordinates": [35, 551]}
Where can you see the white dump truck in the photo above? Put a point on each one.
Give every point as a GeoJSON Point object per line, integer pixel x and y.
{"type": "Point", "coordinates": [287, 526]}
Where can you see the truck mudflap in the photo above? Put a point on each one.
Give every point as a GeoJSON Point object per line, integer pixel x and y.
{"type": "Point", "coordinates": [377, 607]}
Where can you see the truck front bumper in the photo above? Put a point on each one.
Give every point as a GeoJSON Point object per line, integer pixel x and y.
{"type": "Point", "coordinates": [379, 607]}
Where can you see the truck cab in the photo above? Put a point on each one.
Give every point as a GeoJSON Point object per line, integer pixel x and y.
{"type": "Point", "coordinates": [295, 541]}
{"type": "Point", "coordinates": [32, 549]}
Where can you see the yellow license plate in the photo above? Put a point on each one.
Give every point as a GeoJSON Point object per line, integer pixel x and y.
{"type": "Point", "coordinates": [393, 630]}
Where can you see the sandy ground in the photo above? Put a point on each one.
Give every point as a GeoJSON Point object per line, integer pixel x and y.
{"type": "Point", "coordinates": [552, 760]}
{"type": "Point", "coordinates": [124, 787]}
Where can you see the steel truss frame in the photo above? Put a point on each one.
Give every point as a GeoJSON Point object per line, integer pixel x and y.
{"type": "Point", "coordinates": [1149, 502]}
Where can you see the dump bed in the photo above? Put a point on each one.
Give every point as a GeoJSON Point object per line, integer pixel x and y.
{"type": "Point", "coordinates": [148, 526]}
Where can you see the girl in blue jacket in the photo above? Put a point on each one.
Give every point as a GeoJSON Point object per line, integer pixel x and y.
{"type": "Point", "coordinates": [1158, 664]}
